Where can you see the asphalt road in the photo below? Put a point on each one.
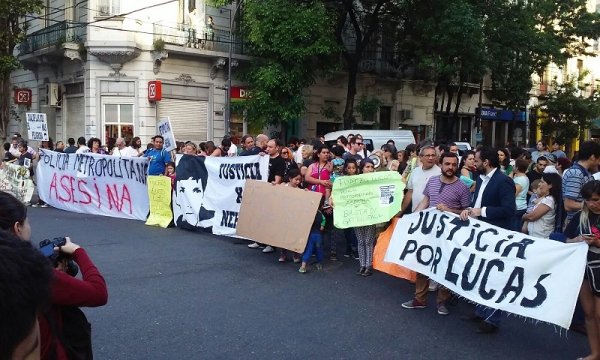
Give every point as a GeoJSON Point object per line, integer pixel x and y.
{"type": "Point", "coordinates": [180, 295]}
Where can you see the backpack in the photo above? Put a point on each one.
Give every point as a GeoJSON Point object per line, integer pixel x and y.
{"type": "Point", "coordinates": [76, 333]}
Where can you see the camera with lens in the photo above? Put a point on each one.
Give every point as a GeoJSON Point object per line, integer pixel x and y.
{"type": "Point", "coordinates": [47, 248]}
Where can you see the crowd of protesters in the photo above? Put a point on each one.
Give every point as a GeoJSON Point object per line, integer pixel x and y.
{"type": "Point", "coordinates": [542, 193]}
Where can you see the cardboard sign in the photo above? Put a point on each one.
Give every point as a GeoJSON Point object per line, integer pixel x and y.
{"type": "Point", "coordinates": [277, 215]}
{"type": "Point", "coordinates": [532, 277]}
{"type": "Point", "coordinates": [159, 193]}
{"type": "Point", "coordinates": [37, 126]}
{"type": "Point", "coordinates": [165, 129]}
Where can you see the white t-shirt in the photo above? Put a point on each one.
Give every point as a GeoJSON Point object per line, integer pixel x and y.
{"type": "Point", "coordinates": [82, 149]}
{"type": "Point", "coordinates": [417, 182]}
{"type": "Point", "coordinates": [127, 151]}
{"type": "Point", "coordinates": [232, 150]}
{"type": "Point", "coordinates": [543, 226]}
{"type": "Point", "coordinates": [550, 169]}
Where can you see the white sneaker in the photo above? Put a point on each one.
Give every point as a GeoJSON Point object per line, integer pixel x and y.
{"type": "Point", "coordinates": [433, 286]}
{"type": "Point", "coordinates": [254, 246]}
{"type": "Point", "coordinates": [268, 249]}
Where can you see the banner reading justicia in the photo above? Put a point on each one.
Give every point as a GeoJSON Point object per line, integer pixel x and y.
{"type": "Point", "coordinates": [210, 190]}
{"type": "Point", "coordinates": [94, 184]}
{"type": "Point", "coordinates": [532, 277]}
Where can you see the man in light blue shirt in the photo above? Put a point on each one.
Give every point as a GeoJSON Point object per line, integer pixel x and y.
{"type": "Point", "coordinates": [158, 156]}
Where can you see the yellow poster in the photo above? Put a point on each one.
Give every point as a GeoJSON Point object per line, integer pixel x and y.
{"type": "Point", "coordinates": [159, 192]}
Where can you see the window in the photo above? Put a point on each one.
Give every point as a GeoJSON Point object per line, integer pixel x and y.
{"type": "Point", "coordinates": [118, 121]}
{"type": "Point", "coordinates": [109, 7]}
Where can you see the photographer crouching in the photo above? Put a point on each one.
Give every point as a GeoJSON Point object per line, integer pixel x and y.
{"type": "Point", "coordinates": [64, 331]}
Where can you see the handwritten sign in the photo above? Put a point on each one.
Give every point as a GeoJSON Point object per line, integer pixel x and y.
{"type": "Point", "coordinates": [37, 126]}
{"type": "Point", "coordinates": [159, 193]}
{"type": "Point", "coordinates": [366, 199]}
{"type": "Point", "coordinates": [16, 180]}
{"type": "Point", "coordinates": [165, 129]}
{"type": "Point", "coordinates": [533, 277]}
{"type": "Point", "coordinates": [94, 184]}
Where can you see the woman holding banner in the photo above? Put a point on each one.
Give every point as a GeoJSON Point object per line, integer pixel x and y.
{"type": "Point", "coordinates": [585, 226]}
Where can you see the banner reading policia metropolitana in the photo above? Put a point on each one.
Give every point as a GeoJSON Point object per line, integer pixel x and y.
{"type": "Point", "coordinates": [366, 199]}
{"type": "Point", "coordinates": [532, 277]}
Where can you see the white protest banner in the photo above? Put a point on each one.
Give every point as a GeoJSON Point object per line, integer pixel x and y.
{"type": "Point", "coordinates": [165, 129]}
{"type": "Point", "coordinates": [16, 180]}
{"type": "Point", "coordinates": [94, 184]}
{"type": "Point", "coordinates": [37, 126]}
{"type": "Point", "coordinates": [210, 189]}
{"type": "Point", "coordinates": [532, 277]}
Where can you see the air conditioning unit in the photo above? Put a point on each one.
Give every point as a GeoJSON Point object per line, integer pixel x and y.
{"type": "Point", "coordinates": [52, 94]}
{"type": "Point", "coordinates": [405, 114]}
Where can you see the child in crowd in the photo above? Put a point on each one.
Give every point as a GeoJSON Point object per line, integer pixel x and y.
{"type": "Point", "coordinates": [170, 172]}
{"type": "Point", "coordinates": [295, 178]}
{"type": "Point", "coordinates": [337, 162]}
{"type": "Point", "coordinates": [533, 201]}
{"type": "Point", "coordinates": [366, 234]}
{"type": "Point", "coordinates": [350, 168]}
{"type": "Point", "coordinates": [315, 241]}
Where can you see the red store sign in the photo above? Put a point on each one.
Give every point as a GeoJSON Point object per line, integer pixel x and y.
{"type": "Point", "coordinates": [239, 93]}
{"type": "Point", "coordinates": [23, 96]}
{"type": "Point", "coordinates": [154, 90]}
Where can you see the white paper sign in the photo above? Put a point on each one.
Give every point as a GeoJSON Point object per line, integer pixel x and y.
{"type": "Point", "coordinates": [94, 184]}
{"type": "Point", "coordinates": [533, 277]}
{"type": "Point", "coordinates": [165, 129]}
{"type": "Point", "coordinates": [37, 126]}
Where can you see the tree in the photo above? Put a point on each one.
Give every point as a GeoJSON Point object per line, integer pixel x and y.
{"type": "Point", "coordinates": [12, 33]}
{"type": "Point", "coordinates": [570, 111]}
{"type": "Point", "coordinates": [290, 50]}
{"type": "Point", "coordinates": [359, 23]}
{"type": "Point", "coordinates": [432, 42]}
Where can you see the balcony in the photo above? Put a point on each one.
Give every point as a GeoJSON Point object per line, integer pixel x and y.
{"type": "Point", "coordinates": [51, 36]}
{"type": "Point", "coordinates": [186, 36]}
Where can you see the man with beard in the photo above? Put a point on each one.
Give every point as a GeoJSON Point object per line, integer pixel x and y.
{"type": "Point", "coordinates": [493, 202]}
{"type": "Point", "coordinates": [446, 193]}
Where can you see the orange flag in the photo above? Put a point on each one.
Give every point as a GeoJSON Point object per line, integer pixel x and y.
{"type": "Point", "coordinates": [383, 242]}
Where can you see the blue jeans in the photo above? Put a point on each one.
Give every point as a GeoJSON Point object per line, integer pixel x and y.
{"type": "Point", "coordinates": [314, 244]}
{"type": "Point", "coordinates": [488, 315]}
{"type": "Point", "coordinates": [518, 220]}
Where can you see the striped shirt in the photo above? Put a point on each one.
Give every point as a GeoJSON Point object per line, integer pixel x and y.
{"type": "Point", "coordinates": [455, 195]}
{"type": "Point", "coordinates": [573, 180]}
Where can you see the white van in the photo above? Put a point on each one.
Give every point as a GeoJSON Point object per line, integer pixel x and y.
{"type": "Point", "coordinates": [375, 138]}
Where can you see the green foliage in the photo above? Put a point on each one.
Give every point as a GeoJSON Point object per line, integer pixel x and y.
{"type": "Point", "coordinates": [569, 111]}
{"type": "Point", "coordinates": [158, 45]}
{"type": "Point", "coordinates": [368, 107]}
{"type": "Point", "coordinates": [330, 113]}
{"type": "Point", "coordinates": [291, 49]}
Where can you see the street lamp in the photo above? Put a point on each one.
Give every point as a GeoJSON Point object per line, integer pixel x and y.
{"type": "Point", "coordinates": [229, 63]}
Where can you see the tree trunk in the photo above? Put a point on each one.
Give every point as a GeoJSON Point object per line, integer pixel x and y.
{"type": "Point", "coordinates": [5, 102]}
{"type": "Point", "coordinates": [350, 94]}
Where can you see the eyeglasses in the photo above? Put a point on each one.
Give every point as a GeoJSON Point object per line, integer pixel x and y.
{"type": "Point", "coordinates": [428, 155]}
{"type": "Point", "coordinates": [359, 144]}
{"type": "Point", "coordinates": [284, 153]}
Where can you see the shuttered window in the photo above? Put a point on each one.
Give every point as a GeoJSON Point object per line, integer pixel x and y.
{"type": "Point", "coordinates": [189, 118]}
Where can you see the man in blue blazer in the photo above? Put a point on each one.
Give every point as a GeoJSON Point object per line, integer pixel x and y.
{"type": "Point", "coordinates": [494, 203]}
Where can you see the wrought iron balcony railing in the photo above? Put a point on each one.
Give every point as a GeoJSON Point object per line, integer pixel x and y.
{"type": "Point", "coordinates": [56, 34]}
{"type": "Point", "coordinates": [186, 35]}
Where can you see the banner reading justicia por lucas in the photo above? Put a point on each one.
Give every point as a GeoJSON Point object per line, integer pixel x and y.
{"type": "Point", "coordinates": [506, 270]}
